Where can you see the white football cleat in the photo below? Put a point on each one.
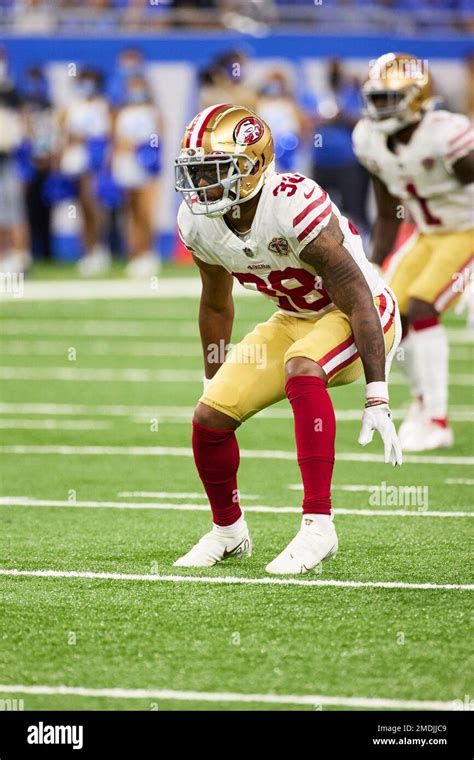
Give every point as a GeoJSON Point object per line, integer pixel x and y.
{"type": "Point", "coordinates": [413, 416]}
{"type": "Point", "coordinates": [315, 541]}
{"type": "Point", "coordinates": [217, 545]}
{"type": "Point", "coordinates": [425, 436]}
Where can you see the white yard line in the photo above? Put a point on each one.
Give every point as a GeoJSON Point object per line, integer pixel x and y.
{"type": "Point", "coordinates": [161, 495]}
{"type": "Point", "coordinates": [97, 348]}
{"type": "Point", "coordinates": [176, 451]}
{"type": "Point", "coordinates": [361, 488]}
{"type": "Point", "coordinates": [106, 410]}
{"type": "Point", "coordinates": [25, 501]}
{"type": "Point", "coordinates": [460, 335]}
{"type": "Point", "coordinates": [91, 290]}
{"type": "Point", "coordinates": [27, 347]}
{"type": "Point", "coordinates": [174, 495]}
{"type": "Point", "coordinates": [313, 700]}
{"type": "Point", "coordinates": [342, 415]}
{"type": "Point", "coordinates": [460, 481]}
{"type": "Point", "coordinates": [351, 487]}
{"type": "Point", "coordinates": [461, 354]}
{"type": "Point", "coordinates": [157, 325]}
{"type": "Point", "coordinates": [185, 413]}
{"type": "Point", "coordinates": [414, 512]}
{"type": "Point", "coordinates": [231, 580]}
{"type": "Point", "coordinates": [109, 328]}
{"type": "Point", "coordinates": [140, 375]}
{"type": "Point", "coordinates": [101, 374]}
{"type": "Point", "coordinates": [454, 379]}
{"type": "Point", "coordinates": [54, 424]}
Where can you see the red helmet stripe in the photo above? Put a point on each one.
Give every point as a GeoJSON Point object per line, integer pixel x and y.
{"type": "Point", "coordinates": [188, 134]}
{"type": "Point", "coordinates": [199, 124]}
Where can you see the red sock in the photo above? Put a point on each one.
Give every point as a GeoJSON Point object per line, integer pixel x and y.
{"type": "Point", "coordinates": [424, 324]}
{"type": "Point", "coordinates": [315, 433]}
{"type": "Point", "coordinates": [216, 454]}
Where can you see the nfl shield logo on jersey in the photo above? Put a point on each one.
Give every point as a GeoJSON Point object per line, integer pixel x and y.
{"type": "Point", "coordinates": [279, 246]}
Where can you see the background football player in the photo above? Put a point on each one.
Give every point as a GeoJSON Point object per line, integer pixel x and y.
{"type": "Point", "coordinates": [281, 235]}
{"type": "Point", "coordinates": [423, 158]}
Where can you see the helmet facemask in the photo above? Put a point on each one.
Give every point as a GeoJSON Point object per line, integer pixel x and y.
{"type": "Point", "coordinates": [221, 172]}
{"type": "Point", "coordinates": [397, 92]}
{"type": "Point", "coordinates": [397, 111]}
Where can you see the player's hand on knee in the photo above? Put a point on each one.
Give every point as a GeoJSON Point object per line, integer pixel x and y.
{"type": "Point", "coordinates": [377, 416]}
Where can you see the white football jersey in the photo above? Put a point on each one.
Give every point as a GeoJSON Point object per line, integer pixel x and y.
{"type": "Point", "coordinates": [136, 123]}
{"type": "Point", "coordinates": [88, 118]}
{"type": "Point", "coordinates": [291, 212]}
{"type": "Point", "coordinates": [421, 172]}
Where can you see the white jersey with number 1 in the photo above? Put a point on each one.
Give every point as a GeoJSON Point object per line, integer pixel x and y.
{"type": "Point", "coordinates": [421, 172]}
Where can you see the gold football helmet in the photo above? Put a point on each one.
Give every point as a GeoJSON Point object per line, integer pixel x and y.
{"type": "Point", "coordinates": [397, 92]}
{"type": "Point", "coordinates": [225, 155]}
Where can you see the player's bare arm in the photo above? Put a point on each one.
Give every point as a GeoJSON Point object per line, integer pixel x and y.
{"type": "Point", "coordinates": [216, 311]}
{"type": "Point", "coordinates": [464, 169]}
{"type": "Point", "coordinates": [349, 291]}
{"type": "Point", "coordinates": [386, 225]}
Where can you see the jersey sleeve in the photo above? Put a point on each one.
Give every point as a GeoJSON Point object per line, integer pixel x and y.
{"type": "Point", "coordinates": [189, 235]}
{"type": "Point", "coordinates": [361, 144]}
{"type": "Point", "coordinates": [455, 139]}
{"type": "Point", "coordinates": [303, 213]}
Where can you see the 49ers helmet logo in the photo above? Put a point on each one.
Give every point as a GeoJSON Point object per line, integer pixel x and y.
{"type": "Point", "coordinates": [248, 131]}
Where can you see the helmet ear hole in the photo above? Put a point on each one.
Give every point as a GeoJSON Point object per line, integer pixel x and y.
{"type": "Point", "coordinates": [256, 168]}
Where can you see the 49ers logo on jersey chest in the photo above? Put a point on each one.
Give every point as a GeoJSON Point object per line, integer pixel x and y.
{"type": "Point", "coordinates": [279, 246]}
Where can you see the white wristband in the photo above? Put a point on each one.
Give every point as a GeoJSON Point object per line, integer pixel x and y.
{"type": "Point", "coordinates": [378, 390]}
{"type": "Point", "coordinates": [205, 382]}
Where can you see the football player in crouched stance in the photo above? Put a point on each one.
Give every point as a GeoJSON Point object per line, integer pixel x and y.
{"type": "Point", "coordinates": [424, 159]}
{"type": "Point", "coordinates": [280, 235]}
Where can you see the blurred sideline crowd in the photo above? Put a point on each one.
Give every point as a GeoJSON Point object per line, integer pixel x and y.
{"type": "Point", "coordinates": [253, 16]}
{"type": "Point", "coordinates": [99, 158]}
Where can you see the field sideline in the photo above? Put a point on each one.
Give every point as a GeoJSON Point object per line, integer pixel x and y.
{"type": "Point", "coordinates": [99, 496]}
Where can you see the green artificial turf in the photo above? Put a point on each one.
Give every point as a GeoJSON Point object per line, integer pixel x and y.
{"type": "Point", "coordinates": [392, 643]}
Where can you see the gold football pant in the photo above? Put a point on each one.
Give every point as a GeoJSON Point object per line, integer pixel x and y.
{"type": "Point", "coordinates": [434, 268]}
{"type": "Point", "coordinates": [253, 375]}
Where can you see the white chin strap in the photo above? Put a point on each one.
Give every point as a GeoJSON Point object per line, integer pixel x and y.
{"type": "Point", "coordinates": [397, 120]}
{"type": "Point", "coordinates": [393, 124]}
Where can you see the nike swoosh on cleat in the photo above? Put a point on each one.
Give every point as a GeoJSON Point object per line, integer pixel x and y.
{"type": "Point", "coordinates": [308, 195]}
{"type": "Point", "coordinates": [329, 554]}
{"type": "Point", "coordinates": [236, 551]}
